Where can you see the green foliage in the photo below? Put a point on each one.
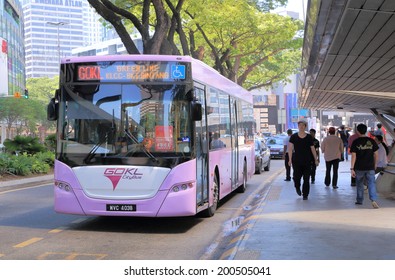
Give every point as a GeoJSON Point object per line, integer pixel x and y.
{"type": "Point", "coordinates": [22, 113]}
{"type": "Point", "coordinates": [42, 89]}
{"type": "Point", "coordinates": [25, 164]}
{"type": "Point", "coordinates": [267, 5]}
{"type": "Point", "coordinates": [50, 142]}
{"type": "Point", "coordinates": [23, 144]}
{"type": "Point", "coordinates": [253, 48]}
{"type": "Point", "coordinates": [239, 38]}
{"type": "Point", "coordinates": [4, 163]}
{"type": "Point", "coordinates": [46, 157]}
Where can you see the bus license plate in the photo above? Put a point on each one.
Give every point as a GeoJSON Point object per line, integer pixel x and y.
{"type": "Point", "coordinates": [121, 207]}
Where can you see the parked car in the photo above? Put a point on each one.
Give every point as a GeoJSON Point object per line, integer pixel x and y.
{"type": "Point", "coordinates": [276, 145]}
{"type": "Point", "coordinates": [262, 156]}
{"type": "Point", "coordinates": [266, 134]}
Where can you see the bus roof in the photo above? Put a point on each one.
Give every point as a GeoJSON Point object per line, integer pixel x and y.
{"type": "Point", "coordinates": [201, 72]}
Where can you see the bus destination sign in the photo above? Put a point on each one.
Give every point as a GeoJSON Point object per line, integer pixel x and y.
{"type": "Point", "coordinates": [132, 72]}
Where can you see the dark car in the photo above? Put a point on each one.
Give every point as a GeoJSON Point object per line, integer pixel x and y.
{"type": "Point", "coordinates": [276, 145]}
{"type": "Point", "coordinates": [262, 156]}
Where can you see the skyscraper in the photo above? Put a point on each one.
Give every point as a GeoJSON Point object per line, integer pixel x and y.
{"type": "Point", "coordinates": [12, 64]}
{"type": "Point", "coordinates": [52, 29]}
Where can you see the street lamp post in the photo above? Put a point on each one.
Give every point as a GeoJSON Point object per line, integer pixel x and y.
{"type": "Point", "coordinates": [57, 24]}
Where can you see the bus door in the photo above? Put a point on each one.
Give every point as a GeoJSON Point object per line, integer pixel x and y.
{"type": "Point", "coordinates": [235, 139]}
{"type": "Point", "coordinates": [201, 143]}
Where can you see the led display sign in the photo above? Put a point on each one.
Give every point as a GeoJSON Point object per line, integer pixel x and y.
{"type": "Point", "coordinates": [131, 71]}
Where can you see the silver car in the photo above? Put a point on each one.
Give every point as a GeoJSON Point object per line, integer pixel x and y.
{"type": "Point", "coordinates": [262, 156]}
{"type": "Point", "coordinates": [276, 145]}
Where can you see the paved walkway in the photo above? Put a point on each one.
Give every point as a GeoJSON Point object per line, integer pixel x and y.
{"type": "Point", "coordinates": [327, 226]}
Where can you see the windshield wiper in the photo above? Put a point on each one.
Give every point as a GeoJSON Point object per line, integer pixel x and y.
{"type": "Point", "coordinates": [92, 152]}
{"type": "Point", "coordinates": [145, 150]}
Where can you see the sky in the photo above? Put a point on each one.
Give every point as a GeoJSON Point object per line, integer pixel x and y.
{"type": "Point", "coordinates": [296, 6]}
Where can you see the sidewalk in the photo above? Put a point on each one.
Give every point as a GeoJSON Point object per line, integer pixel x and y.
{"type": "Point", "coordinates": [327, 226]}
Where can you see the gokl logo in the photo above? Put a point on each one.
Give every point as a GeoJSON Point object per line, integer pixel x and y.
{"type": "Point", "coordinates": [116, 174]}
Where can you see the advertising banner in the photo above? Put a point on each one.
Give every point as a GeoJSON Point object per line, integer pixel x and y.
{"type": "Point", "coordinates": [3, 67]}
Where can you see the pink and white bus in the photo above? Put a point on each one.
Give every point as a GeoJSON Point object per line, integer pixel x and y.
{"type": "Point", "coordinates": [148, 135]}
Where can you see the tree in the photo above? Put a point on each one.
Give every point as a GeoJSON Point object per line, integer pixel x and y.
{"type": "Point", "coordinates": [252, 48]}
{"type": "Point", "coordinates": [149, 18]}
{"type": "Point", "coordinates": [13, 113]}
{"type": "Point", "coordinates": [43, 88]}
{"type": "Point", "coordinates": [25, 114]}
{"type": "Point", "coordinates": [240, 40]}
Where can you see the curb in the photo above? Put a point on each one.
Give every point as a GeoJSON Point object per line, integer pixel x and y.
{"type": "Point", "coordinates": [24, 181]}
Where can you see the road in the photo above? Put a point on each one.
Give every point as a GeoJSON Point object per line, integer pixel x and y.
{"type": "Point", "coordinates": [31, 230]}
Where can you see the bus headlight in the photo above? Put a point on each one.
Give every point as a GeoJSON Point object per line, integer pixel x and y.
{"type": "Point", "coordinates": [182, 187]}
{"type": "Point", "coordinates": [63, 186]}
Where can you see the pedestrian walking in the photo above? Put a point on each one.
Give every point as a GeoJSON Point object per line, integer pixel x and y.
{"type": "Point", "coordinates": [301, 152]}
{"type": "Point", "coordinates": [317, 150]}
{"type": "Point", "coordinates": [286, 156]}
{"type": "Point", "coordinates": [380, 130]}
{"type": "Point", "coordinates": [344, 135]}
{"type": "Point", "coordinates": [350, 140]}
{"type": "Point", "coordinates": [382, 160]}
{"type": "Point", "coordinates": [364, 156]}
{"type": "Point", "coordinates": [332, 148]}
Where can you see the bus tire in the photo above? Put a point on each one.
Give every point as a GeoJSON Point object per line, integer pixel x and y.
{"type": "Point", "coordinates": [242, 188]}
{"type": "Point", "coordinates": [210, 211]}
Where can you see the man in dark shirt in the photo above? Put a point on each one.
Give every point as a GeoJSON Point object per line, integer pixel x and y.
{"type": "Point", "coordinates": [364, 155]}
{"type": "Point", "coordinates": [344, 135]}
{"type": "Point", "coordinates": [317, 150]}
{"type": "Point", "coordinates": [302, 153]}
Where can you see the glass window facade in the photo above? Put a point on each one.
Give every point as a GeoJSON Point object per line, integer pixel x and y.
{"type": "Point", "coordinates": [53, 28]}
{"type": "Point", "coordinates": [12, 33]}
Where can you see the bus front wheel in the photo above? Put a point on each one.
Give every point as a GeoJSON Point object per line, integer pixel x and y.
{"type": "Point", "coordinates": [210, 211]}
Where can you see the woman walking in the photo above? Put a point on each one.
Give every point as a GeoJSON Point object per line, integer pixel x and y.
{"type": "Point", "coordinates": [332, 148]}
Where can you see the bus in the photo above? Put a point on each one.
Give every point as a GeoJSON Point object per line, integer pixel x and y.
{"type": "Point", "coordinates": [134, 136]}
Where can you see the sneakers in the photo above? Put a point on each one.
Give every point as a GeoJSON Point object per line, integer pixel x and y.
{"type": "Point", "coordinates": [375, 205]}
{"type": "Point", "coordinates": [335, 187]}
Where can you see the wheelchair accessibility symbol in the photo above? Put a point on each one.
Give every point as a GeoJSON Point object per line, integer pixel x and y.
{"type": "Point", "coordinates": [178, 72]}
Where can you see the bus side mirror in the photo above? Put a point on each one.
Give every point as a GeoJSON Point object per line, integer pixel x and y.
{"type": "Point", "coordinates": [52, 110]}
{"type": "Point", "coordinates": [196, 111]}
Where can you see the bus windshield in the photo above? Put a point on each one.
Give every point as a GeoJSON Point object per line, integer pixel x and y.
{"type": "Point", "coordinates": [120, 123]}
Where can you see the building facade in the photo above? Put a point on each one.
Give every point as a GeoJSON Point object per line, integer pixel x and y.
{"type": "Point", "coordinates": [12, 52]}
{"type": "Point", "coordinates": [53, 28]}
{"type": "Point", "coordinates": [107, 47]}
